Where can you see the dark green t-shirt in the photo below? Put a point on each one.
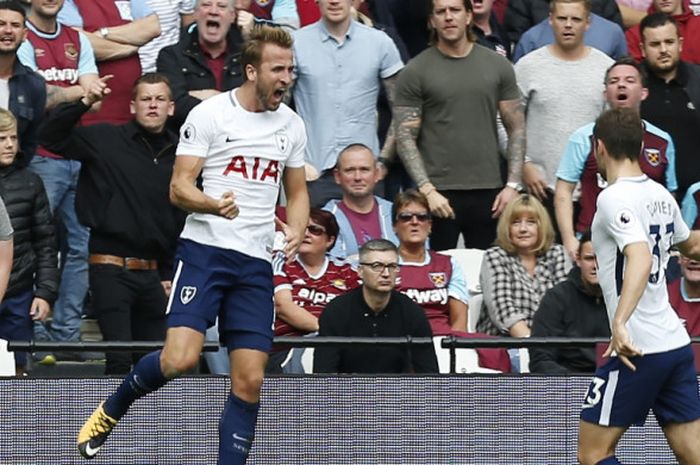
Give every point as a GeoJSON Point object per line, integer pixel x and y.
{"type": "Point", "coordinates": [458, 98]}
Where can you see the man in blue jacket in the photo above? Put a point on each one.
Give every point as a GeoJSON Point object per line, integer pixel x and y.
{"type": "Point", "coordinates": [361, 215]}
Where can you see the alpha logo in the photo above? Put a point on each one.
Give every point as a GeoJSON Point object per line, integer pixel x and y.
{"type": "Point", "coordinates": [653, 156]}
{"type": "Point", "coordinates": [188, 132]}
{"type": "Point", "coordinates": [315, 297]}
{"type": "Point", "coordinates": [282, 141]}
{"type": "Point", "coordinates": [71, 51]}
{"type": "Point", "coordinates": [439, 279]}
{"type": "Point", "coordinates": [187, 293]}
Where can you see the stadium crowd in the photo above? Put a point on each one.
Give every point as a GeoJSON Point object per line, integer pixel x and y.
{"type": "Point", "coordinates": [418, 102]}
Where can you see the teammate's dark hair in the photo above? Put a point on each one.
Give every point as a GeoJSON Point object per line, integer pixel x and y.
{"type": "Point", "coordinates": [471, 35]}
{"type": "Point", "coordinates": [655, 20]}
{"type": "Point", "coordinates": [327, 220]}
{"type": "Point", "coordinates": [585, 237]}
{"type": "Point", "coordinates": [621, 130]}
{"type": "Point", "coordinates": [13, 5]}
{"type": "Point", "coordinates": [628, 61]}
{"type": "Point", "coordinates": [151, 78]}
{"type": "Point", "coordinates": [259, 37]}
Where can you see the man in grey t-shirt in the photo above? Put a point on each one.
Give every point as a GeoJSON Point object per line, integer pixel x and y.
{"type": "Point", "coordinates": [446, 103]}
{"type": "Point", "coordinates": [563, 86]}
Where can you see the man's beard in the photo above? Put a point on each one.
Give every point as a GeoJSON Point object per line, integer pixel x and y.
{"type": "Point", "coordinates": [4, 53]}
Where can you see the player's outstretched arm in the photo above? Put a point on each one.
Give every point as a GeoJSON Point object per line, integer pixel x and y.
{"type": "Point", "coordinates": [297, 210]}
{"type": "Point", "coordinates": [638, 263]}
{"type": "Point", "coordinates": [185, 194]}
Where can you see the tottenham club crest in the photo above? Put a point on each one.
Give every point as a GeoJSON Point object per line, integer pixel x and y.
{"type": "Point", "coordinates": [282, 141]}
{"type": "Point", "coordinates": [439, 279]}
{"type": "Point", "coordinates": [187, 293]}
{"type": "Point", "coordinates": [653, 156]}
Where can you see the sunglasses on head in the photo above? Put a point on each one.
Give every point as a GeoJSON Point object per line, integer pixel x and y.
{"type": "Point", "coordinates": [315, 230]}
{"type": "Point", "coordinates": [406, 217]}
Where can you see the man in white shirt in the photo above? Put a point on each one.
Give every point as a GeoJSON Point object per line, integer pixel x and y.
{"type": "Point", "coordinates": [243, 143]}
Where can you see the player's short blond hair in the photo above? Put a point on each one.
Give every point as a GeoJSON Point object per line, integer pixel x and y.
{"type": "Point", "coordinates": [525, 204]}
{"type": "Point", "coordinates": [259, 37]}
{"type": "Point", "coordinates": [8, 122]}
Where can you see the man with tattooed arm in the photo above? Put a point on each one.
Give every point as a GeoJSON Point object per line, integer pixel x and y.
{"type": "Point", "coordinates": [446, 103]}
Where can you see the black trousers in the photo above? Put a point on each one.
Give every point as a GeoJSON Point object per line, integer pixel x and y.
{"type": "Point", "coordinates": [129, 306]}
{"type": "Point", "coordinates": [472, 218]}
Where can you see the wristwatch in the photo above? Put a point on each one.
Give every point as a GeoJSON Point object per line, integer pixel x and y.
{"type": "Point", "coordinates": [516, 186]}
{"type": "Point", "coordinates": [104, 32]}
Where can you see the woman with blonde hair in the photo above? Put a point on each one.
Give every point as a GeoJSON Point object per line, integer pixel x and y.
{"type": "Point", "coordinates": [520, 268]}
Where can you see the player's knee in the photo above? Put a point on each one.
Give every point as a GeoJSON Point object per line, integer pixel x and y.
{"type": "Point", "coordinates": [247, 383]}
{"type": "Point", "coordinates": [588, 457]}
{"type": "Point", "coordinates": [176, 364]}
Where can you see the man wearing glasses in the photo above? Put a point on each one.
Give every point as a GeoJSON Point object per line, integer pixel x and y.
{"type": "Point", "coordinates": [375, 309]}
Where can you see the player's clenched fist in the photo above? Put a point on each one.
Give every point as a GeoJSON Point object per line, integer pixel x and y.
{"type": "Point", "coordinates": [227, 205]}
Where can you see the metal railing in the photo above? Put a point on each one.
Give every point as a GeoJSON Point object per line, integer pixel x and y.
{"type": "Point", "coordinates": [448, 342]}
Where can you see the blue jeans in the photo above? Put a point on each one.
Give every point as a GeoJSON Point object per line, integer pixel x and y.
{"type": "Point", "coordinates": [60, 179]}
{"type": "Point", "coordinates": [15, 322]}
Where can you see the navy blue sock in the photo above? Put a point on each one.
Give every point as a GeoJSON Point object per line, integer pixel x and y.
{"type": "Point", "coordinates": [144, 378]}
{"type": "Point", "coordinates": [236, 430]}
{"type": "Point", "coordinates": [612, 460]}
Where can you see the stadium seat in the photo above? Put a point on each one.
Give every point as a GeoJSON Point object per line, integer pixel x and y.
{"type": "Point", "coordinates": [7, 360]}
{"type": "Point", "coordinates": [467, 361]}
{"type": "Point", "coordinates": [475, 302]}
{"type": "Point", "coordinates": [470, 260]}
{"type": "Point", "coordinates": [307, 360]}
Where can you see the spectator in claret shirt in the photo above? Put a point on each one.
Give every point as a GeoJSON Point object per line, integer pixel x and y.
{"type": "Point", "coordinates": [304, 287]}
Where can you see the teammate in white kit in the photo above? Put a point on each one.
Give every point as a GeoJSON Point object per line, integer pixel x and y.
{"type": "Point", "coordinates": [243, 142]}
{"type": "Point", "coordinates": [651, 365]}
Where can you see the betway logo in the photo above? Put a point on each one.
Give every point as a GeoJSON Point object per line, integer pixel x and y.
{"type": "Point", "coordinates": [69, 75]}
{"type": "Point", "coordinates": [428, 296]}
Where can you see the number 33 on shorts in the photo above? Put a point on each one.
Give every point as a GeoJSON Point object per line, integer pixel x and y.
{"type": "Point", "coordinates": [594, 395]}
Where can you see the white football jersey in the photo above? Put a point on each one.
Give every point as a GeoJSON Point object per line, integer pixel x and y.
{"type": "Point", "coordinates": [637, 209]}
{"type": "Point", "coordinates": [246, 153]}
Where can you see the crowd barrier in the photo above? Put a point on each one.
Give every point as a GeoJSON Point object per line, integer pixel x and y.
{"type": "Point", "coordinates": [325, 420]}
{"type": "Point", "coordinates": [320, 420]}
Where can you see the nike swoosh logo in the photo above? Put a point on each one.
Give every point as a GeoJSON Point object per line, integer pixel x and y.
{"type": "Point", "coordinates": [228, 139]}
{"type": "Point", "coordinates": [90, 451]}
{"type": "Point", "coordinates": [235, 436]}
